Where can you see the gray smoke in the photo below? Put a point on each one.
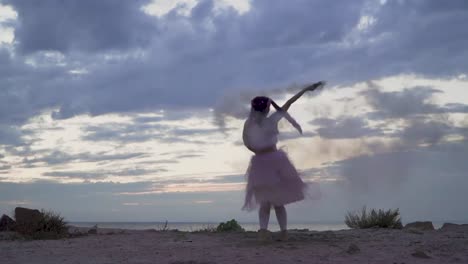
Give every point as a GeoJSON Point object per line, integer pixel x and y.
{"type": "Point", "coordinates": [415, 156]}
{"type": "Point", "coordinates": [234, 106]}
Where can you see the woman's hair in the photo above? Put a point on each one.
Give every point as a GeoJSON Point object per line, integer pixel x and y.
{"type": "Point", "coordinates": [260, 103]}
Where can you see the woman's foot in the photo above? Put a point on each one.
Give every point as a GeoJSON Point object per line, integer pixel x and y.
{"type": "Point", "coordinates": [264, 235]}
{"type": "Point", "coordinates": [283, 236]}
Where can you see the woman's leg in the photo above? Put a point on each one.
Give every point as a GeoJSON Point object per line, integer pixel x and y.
{"type": "Point", "coordinates": [282, 217]}
{"type": "Point", "coordinates": [264, 215]}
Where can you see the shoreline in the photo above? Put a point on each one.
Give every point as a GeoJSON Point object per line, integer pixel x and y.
{"type": "Point", "coordinates": [196, 226]}
{"type": "Point", "coordinates": [248, 226]}
{"type": "Point", "coordinates": [449, 245]}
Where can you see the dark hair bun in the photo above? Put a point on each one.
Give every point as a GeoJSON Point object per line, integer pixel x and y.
{"type": "Point", "coordinates": [260, 103]}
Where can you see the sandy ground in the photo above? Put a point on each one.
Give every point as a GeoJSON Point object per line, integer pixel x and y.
{"type": "Point", "coordinates": [346, 246]}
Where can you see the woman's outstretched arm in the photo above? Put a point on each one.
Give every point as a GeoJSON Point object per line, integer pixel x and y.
{"type": "Point", "coordinates": [293, 99]}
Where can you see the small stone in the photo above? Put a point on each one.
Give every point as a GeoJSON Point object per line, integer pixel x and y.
{"type": "Point", "coordinates": [454, 227]}
{"type": "Point", "coordinates": [420, 254]}
{"type": "Point", "coordinates": [353, 249]}
{"type": "Point", "coordinates": [93, 230]}
{"type": "Point", "coordinates": [423, 226]}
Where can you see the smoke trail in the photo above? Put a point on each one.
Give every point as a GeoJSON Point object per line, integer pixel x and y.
{"type": "Point", "coordinates": [423, 125]}
{"type": "Point", "coordinates": [236, 105]}
{"type": "Point", "coordinates": [231, 106]}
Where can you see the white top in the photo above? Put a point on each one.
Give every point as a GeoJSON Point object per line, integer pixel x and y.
{"type": "Point", "coordinates": [261, 132]}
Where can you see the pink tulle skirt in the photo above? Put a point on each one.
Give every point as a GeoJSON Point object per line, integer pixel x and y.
{"type": "Point", "coordinates": [272, 178]}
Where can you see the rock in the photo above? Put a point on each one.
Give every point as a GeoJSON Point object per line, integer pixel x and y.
{"type": "Point", "coordinates": [7, 224]}
{"type": "Point", "coordinates": [453, 227]}
{"type": "Point", "coordinates": [353, 249]}
{"type": "Point", "coordinates": [28, 221]}
{"type": "Point", "coordinates": [414, 231]}
{"type": "Point", "coordinates": [25, 215]}
{"type": "Point", "coordinates": [420, 254]}
{"type": "Point", "coordinates": [423, 226]}
{"type": "Point", "coordinates": [93, 230]}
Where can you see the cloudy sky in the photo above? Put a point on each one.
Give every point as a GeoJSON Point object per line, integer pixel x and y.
{"type": "Point", "coordinates": [132, 110]}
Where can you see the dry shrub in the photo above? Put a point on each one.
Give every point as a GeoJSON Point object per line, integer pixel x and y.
{"type": "Point", "coordinates": [49, 225]}
{"type": "Point", "coordinates": [375, 218]}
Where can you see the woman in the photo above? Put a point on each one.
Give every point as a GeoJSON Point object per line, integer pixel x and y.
{"type": "Point", "coordinates": [272, 180]}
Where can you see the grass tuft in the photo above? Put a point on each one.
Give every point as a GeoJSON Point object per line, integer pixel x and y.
{"type": "Point", "coordinates": [229, 226]}
{"type": "Point", "coordinates": [374, 219]}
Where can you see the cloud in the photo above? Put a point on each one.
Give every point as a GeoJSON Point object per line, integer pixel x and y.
{"type": "Point", "coordinates": [15, 203]}
{"type": "Point", "coordinates": [26, 90]}
{"type": "Point", "coordinates": [425, 132]}
{"type": "Point", "coordinates": [422, 36]}
{"type": "Point", "coordinates": [294, 135]}
{"type": "Point", "coordinates": [286, 135]}
{"type": "Point", "coordinates": [81, 25]}
{"type": "Point", "coordinates": [57, 157]}
{"type": "Point", "coordinates": [149, 119]}
{"type": "Point", "coordinates": [142, 63]}
{"type": "Point", "coordinates": [237, 178]}
{"type": "Point", "coordinates": [144, 129]}
{"type": "Point", "coordinates": [82, 175]}
{"type": "Point", "coordinates": [101, 175]}
{"type": "Point", "coordinates": [193, 131]}
{"type": "Point", "coordinates": [166, 68]}
{"type": "Point", "coordinates": [346, 127]}
{"type": "Point", "coordinates": [423, 120]}
{"type": "Point", "coordinates": [123, 132]}
{"type": "Point", "coordinates": [401, 104]}
{"type": "Point", "coordinates": [456, 108]}
{"type": "Point", "coordinates": [10, 135]}
{"type": "Point", "coordinates": [5, 167]}
{"type": "Point", "coordinates": [188, 156]}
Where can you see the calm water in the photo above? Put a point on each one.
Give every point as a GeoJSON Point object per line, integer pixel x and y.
{"type": "Point", "coordinates": [199, 226]}
{"type": "Point", "coordinates": [195, 226]}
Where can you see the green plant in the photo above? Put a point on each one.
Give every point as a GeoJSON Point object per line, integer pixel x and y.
{"type": "Point", "coordinates": [375, 218]}
{"type": "Point", "coordinates": [229, 226]}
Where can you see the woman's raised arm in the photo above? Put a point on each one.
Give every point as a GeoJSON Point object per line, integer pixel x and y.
{"type": "Point", "coordinates": [293, 99]}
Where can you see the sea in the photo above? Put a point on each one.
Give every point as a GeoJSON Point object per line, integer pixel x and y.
{"type": "Point", "coordinates": [198, 226]}
{"type": "Point", "coordinates": [248, 226]}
